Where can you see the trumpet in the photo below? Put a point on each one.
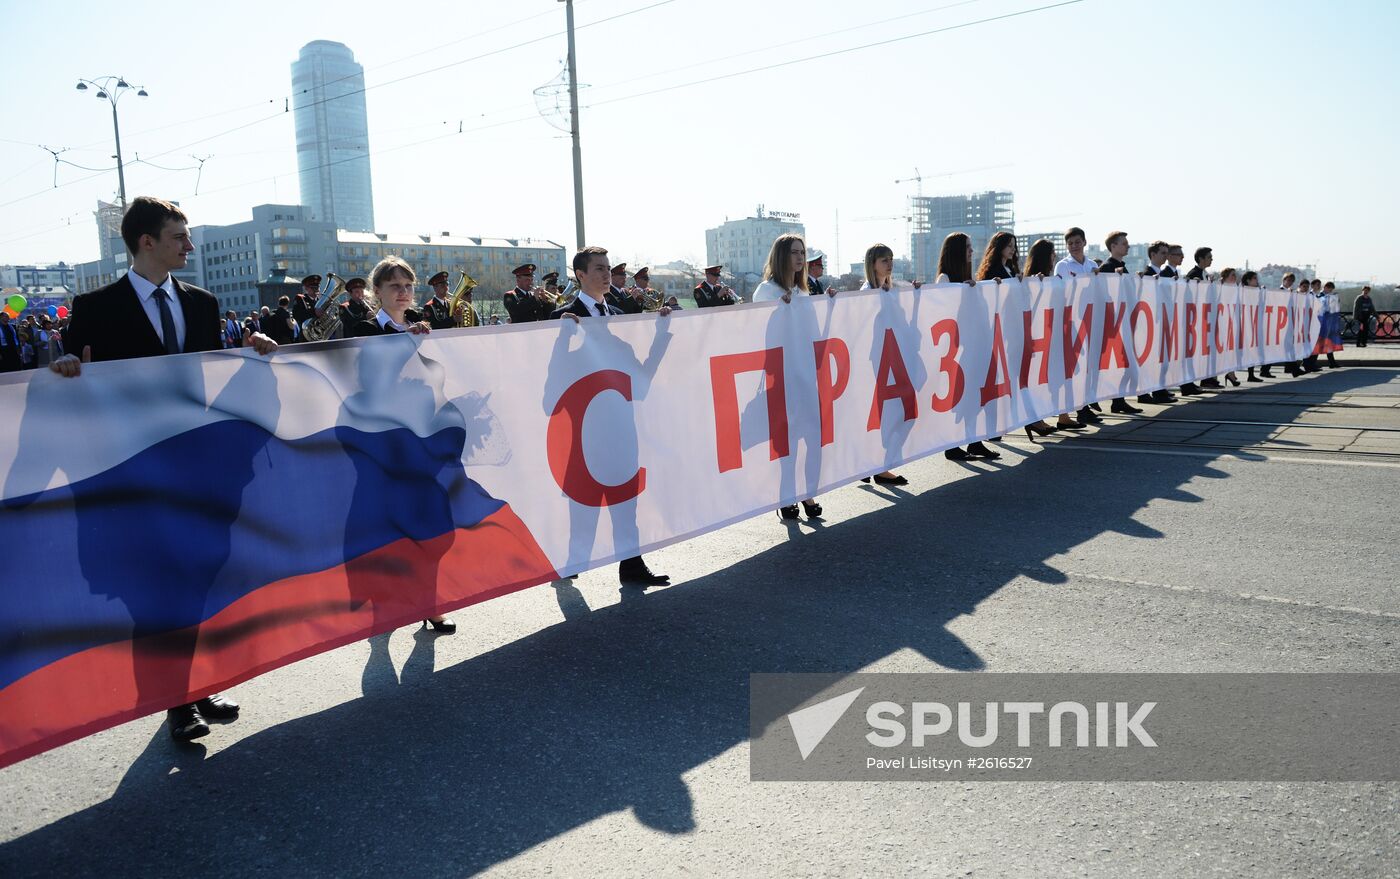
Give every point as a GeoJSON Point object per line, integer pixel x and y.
{"type": "Point", "coordinates": [727, 292]}
{"type": "Point", "coordinates": [554, 299]}
{"type": "Point", "coordinates": [468, 318]}
{"type": "Point", "coordinates": [325, 322]}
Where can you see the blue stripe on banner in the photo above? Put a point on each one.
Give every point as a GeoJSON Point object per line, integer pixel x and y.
{"type": "Point", "coordinates": [190, 525]}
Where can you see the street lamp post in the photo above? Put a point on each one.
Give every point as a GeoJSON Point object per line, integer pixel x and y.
{"type": "Point", "coordinates": [573, 124]}
{"type": "Point", "coordinates": [112, 88]}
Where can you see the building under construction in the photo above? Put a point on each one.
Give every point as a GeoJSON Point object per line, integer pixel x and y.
{"type": "Point", "coordinates": [979, 215]}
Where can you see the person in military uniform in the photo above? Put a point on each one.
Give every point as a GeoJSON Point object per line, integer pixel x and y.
{"type": "Point", "coordinates": [551, 285]}
{"type": "Point", "coordinates": [523, 304]}
{"type": "Point", "coordinates": [354, 309]}
{"type": "Point", "coordinates": [710, 293]}
{"type": "Point", "coordinates": [436, 311]}
{"type": "Point", "coordinates": [624, 300]}
{"type": "Point", "coordinates": [304, 306]}
{"type": "Point", "coordinates": [816, 267]}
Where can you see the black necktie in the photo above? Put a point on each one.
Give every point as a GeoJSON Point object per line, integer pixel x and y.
{"type": "Point", "coordinates": [602, 309]}
{"type": "Point", "coordinates": [167, 322]}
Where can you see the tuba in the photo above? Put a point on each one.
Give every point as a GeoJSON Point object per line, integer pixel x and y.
{"type": "Point", "coordinates": [653, 300]}
{"type": "Point", "coordinates": [468, 317]}
{"type": "Point", "coordinates": [325, 322]}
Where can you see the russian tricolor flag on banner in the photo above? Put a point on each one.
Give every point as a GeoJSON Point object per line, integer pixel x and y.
{"type": "Point", "coordinates": [176, 525]}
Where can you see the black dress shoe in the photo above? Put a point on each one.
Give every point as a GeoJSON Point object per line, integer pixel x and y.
{"type": "Point", "coordinates": [788, 512]}
{"type": "Point", "coordinates": [1096, 407]}
{"type": "Point", "coordinates": [1266, 373]}
{"type": "Point", "coordinates": [444, 626]}
{"type": "Point", "coordinates": [1073, 425]}
{"type": "Point", "coordinates": [634, 572]}
{"type": "Point", "coordinates": [891, 480]}
{"type": "Point", "coordinates": [977, 450]}
{"type": "Point", "coordinates": [1190, 389]}
{"type": "Point", "coordinates": [1163, 396]}
{"type": "Point", "coordinates": [1088, 416]}
{"type": "Point", "coordinates": [1143, 398]}
{"type": "Point", "coordinates": [956, 454]}
{"type": "Point", "coordinates": [1213, 383]}
{"type": "Point", "coordinates": [217, 707]}
{"type": "Point", "coordinates": [812, 509]}
{"type": "Point", "coordinates": [186, 723]}
{"type": "Point", "coordinates": [1123, 407]}
{"type": "Point", "coordinates": [865, 479]}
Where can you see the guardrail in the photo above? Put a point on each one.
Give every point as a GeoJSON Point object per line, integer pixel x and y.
{"type": "Point", "coordinates": [1385, 328]}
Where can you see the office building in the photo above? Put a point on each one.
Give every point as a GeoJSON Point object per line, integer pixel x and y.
{"type": "Point", "coordinates": [332, 134]}
{"type": "Point", "coordinates": [742, 246]}
{"type": "Point", "coordinates": [979, 216]}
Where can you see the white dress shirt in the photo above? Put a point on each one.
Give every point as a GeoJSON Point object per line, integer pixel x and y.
{"type": "Point", "coordinates": [1068, 267]}
{"type": "Point", "coordinates": [145, 290]}
{"type": "Point", "coordinates": [386, 321]}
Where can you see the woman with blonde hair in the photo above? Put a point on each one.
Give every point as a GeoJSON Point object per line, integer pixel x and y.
{"type": "Point", "coordinates": [392, 282]}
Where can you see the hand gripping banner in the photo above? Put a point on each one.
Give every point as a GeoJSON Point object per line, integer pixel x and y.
{"type": "Point", "coordinates": [204, 518]}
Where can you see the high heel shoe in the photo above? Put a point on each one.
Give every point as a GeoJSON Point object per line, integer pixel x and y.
{"type": "Point", "coordinates": [788, 512]}
{"type": "Point", "coordinates": [812, 509]}
{"type": "Point", "coordinates": [896, 479]}
{"type": "Point", "coordinates": [977, 450]}
{"type": "Point", "coordinates": [1040, 428]}
{"type": "Point", "coordinates": [956, 454]}
{"type": "Point", "coordinates": [443, 626]}
{"type": "Point", "coordinates": [1233, 379]}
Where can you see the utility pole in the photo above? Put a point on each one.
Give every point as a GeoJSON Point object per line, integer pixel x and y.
{"type": "Point", "coordinates": [573, 128]}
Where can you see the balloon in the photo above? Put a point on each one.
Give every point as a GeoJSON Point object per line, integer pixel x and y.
{"type": "Point", "coordinates": [11, 313]}
{"type": "Point", "coordinates": [17, 303]}
{"type": "Point", "coordinates": [53, 311]}
{"type": "Point", "coordinates": [63, 311]}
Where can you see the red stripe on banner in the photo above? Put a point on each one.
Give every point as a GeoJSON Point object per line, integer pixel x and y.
{"type": "Point", "coordinates": [273, 626]}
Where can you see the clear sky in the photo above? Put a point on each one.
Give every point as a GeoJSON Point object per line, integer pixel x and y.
{"type": "Point", "coordinates": [1267, 130]}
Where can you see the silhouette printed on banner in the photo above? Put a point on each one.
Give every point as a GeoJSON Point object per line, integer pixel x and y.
{"type": "Point", "coordinates": [901, 341]}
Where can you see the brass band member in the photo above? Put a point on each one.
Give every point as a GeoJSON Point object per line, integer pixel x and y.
{"type": "Point", "coordinates": [619, 296]}
{"type": "Point", "coordinates": [304, 306]}
{"type": "Point", "coordinates": [354, 309]}
{"type": "Point", "coordinates": [435, 310]}
{"type": "Point", "coordinates": [523, 303]}
{"type": "Point", "coordinates": [551, 285]}
{"type": "Point", "coordinates": [710, 293]}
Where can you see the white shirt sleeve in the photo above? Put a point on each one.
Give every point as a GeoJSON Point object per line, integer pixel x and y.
{"type": "Point", "coordinates": [768, 291]}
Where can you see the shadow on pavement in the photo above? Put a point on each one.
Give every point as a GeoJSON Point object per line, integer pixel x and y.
{"type": "Point", "coordinates": [454, 772]}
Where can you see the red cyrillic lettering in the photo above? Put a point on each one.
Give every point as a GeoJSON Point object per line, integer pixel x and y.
{"type": "Point", "coordinates": [831, 383]}
{"type": "Point", "coordinates": [564, 442]}
{"type": "Point", "coordinates": [724, 369]}
{"type": "Point", "coordinates": [1032, 345]}
{"type": "Point", "coordinates": [996, 366]}
{"type": "Point", "coordinates": [948, 365]}
{"type": "Point", "coordinates": [891, 367]}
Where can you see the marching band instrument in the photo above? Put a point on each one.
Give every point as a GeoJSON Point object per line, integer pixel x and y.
{"type": "Point", "coordinates": [468, 317]}
{"type": "Point", "coordinates": [325, 322]}
{"type": "Point", "coordinates": [554, 299]}
{"type": "Point", "coordinates": [727, 292]}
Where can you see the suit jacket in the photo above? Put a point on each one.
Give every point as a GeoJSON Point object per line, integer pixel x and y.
{"type": "Point", "coordinates": [1196, 274]}
{"type": "Point", "coordinates": [622, 301]}
{"type": "Point", "coordinates": [370, 326]}
{"type": "Point", "coordinates": [584, 307]}
{"type": "Point", "coordinates": [278, 328]}
{"type": "Point", "coordinates": [111, 321]}
{"type": "Point", "coordinates": [1168, 271]}
{"type": "Point", "coordinates": [1148, 271]}
{"type": "Point", "coordinates": [1111, 265]}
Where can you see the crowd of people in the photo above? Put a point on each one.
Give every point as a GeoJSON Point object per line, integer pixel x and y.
{"type": "Point", "coordinates": [149, 312]}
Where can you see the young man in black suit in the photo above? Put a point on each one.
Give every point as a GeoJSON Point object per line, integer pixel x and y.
{"type": "Point", "coordinates": [1204, 257]}
{"type": "Point", "coordinates": [1117, 244]}
{"type": "Point", "coordinates": [1175, 255]}
{"type": "Point", "coordinates": [1156, 262]}
{"type": "Point", "coordinates": [148, 313]}
{"type": "Point", "coordinates": [592, 277]}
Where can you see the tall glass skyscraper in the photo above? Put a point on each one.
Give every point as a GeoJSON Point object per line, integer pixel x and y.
{"type": "Point", "coordinates": [332, 135]}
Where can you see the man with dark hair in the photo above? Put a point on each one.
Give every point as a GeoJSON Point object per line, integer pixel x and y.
{"type": "Point", "coordinates": [592, 277]}
{"type": "Point", "coordinates": [618, 295]}
{"type": "Point", "coordinates": [1117, 244]}
{"type": "Point", "coordinates": [1156, 259]}
{"type": "Point", "coordinates": [233, 333]}
{"type": "Point", "coordinates": [149, 313]}
{"type": "Point", "coordinates": [1363, 311]}
{"type": "Point", "coordinates": [1175, 255]}
{"type": "Point", "coordinates": [1204, 257]}
{"type": "Point", "coordinates": [278, 325]}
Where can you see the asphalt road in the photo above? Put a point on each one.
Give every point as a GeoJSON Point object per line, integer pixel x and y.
{"type": "Point", "coordinates": [580, 730]}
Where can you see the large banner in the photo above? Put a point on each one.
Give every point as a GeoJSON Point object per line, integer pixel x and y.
{"type": "Point", "coordinates": [176, 525]}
